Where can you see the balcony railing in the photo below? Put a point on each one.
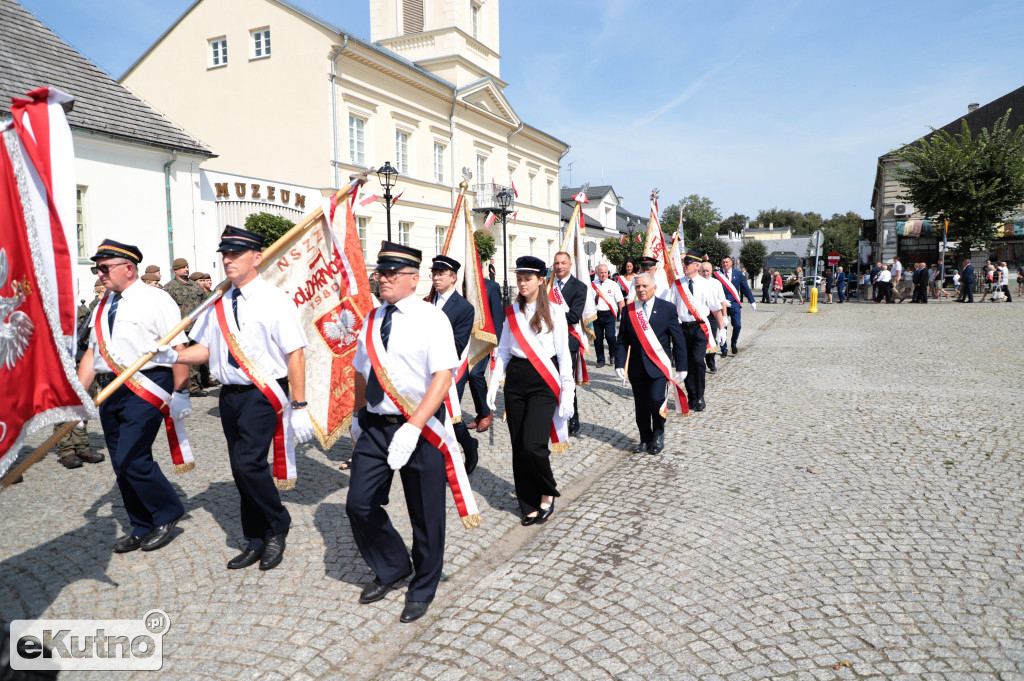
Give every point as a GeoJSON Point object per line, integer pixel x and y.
{"type": "Point", "coordinates": [487, 197]}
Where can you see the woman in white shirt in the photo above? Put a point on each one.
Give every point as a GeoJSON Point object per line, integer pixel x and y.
{"type": "Point", "coordinates": [534, 360]}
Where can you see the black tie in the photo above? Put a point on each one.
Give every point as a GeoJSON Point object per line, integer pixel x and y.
{"type": "Point", "coordinates": [691, 286]}
{"type": "Point", "coordinates": [234, 310]}
{"type": "Point", "coordinates": [112, 311]}
{"type": "Point", "coordinates": [374, 391]}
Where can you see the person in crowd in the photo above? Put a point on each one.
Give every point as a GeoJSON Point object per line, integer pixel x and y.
{"type": "Point", "coordinates": [735, 288]}
{"type": "Point", "coordinates": [608, 299]}
{"type": "Point", "coordinates": [574, 293]}
{"type": "Point", "coordinates": [797, 279]}
{"type": "Point", "coordinates": [841, 284]}
{"type": "Point", "coordinates": [777, 287]}
{"type": "Point", "coordinates": [1005, 277]}
{"type": "Point", "coordinates": [718, 294]}
{"type": "Point", "coordinates": [766, 285]}
{"type": "Point", "coordinates": [966, 283]}
{"type": "Point", "coordinates": [625, 278]}
{"type": "Point", "coordinates": [478, 375]}
{"type": "Point", "coordinates": [830, 281]}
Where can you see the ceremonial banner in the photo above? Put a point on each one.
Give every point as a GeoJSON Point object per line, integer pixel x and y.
{"type": "Point", "coordinates": [573, 245]}
{"type": "Point", "coordinates": [37, 368]}
{"type": "Point", "coordinates": [324, 274]}
{"type": "Point", "coordinates": [654, 246]}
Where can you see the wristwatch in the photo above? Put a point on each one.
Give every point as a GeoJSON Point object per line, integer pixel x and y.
{"type": "Point", "coordinates": [298, 405]}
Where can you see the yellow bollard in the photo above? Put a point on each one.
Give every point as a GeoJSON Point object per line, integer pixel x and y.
{"type": "Point", "coordinates": [814, 299]}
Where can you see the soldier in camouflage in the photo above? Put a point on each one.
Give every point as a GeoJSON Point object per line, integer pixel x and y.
{"type": "Point", "coordinates": [188, 295]}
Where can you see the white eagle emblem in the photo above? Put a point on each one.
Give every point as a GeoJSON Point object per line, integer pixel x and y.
{"type": "Point", "coordinates": [15, 325]}
{"type": "Point", "coordinates": [342, 327]}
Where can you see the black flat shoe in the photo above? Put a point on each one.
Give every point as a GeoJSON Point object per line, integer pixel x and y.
{"type": "Point", "coordinates": [159, 537]}
{"type": "Point", "coordinates": [244, 559]}
{"type": "Point", "coordinates": [413, 610]}
{"type": "Point", "coordinates": [529, 520]}
{"type": "Point", "coordinates": [376, 590]}
{"type": "Point", "coordinates": [273, 551]}
{"type": "Point", "coordinates": [640, 448]}
{"type": "Point", "coordinates": [126, 544]}
{"type": "Point", "coordinates": [545, 513]}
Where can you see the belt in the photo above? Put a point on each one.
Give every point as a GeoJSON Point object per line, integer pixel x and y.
{"type": "Point", "coordinates": [689, 324]}
{"type": "Point", "coordinates": [241, 388]}
{"type": "Point", "coordinates": [388, 418]}
{"type": "Point", "coordinates": [107, 377]}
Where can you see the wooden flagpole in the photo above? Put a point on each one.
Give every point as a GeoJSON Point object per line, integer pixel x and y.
{"type": "Point", "coordinates": [463, 186]}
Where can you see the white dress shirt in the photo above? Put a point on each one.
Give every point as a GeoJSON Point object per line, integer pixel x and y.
{"type": "Point", "coordinates": [885, 275]}
{"type": "Point", "coordinates": [420, 344]}
{"type": "Point", "coordinates": [703, 298]}
{"type": "Point", "coordinates": [268, 324]}
{"type": "Point", "coordinates": [718, 291]}
{"type": "Point", "coordinates": [145, 314]}
{"type": "Point", "coordinates": [550, 343]}
{"type": "Point", "coordinates": [613, 292]}
{"type": "Point", "coordinates": [440, 299]}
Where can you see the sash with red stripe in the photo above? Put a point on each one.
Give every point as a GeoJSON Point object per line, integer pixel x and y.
{"type": "Point", "coordinates": [730, 288]}
{"type": "Point", "coordinates": [439, 435]}
{"type": "Point", "coordinates": [625, 289]}
{"type": "Point", "coordinates": [147, 389]}
{"type": "Point", "coordinates": [559, 433]}
{"type": "Point", "coordinates": [284, 442]}
{"type": "Point", "coordinates": [656, 353]}
{"type": "Point", "coordinates": [684, 295]}
{"type": "Point", "coordinates": [600, 294]}
{"type": "Point", "coordinates": [582, 377]}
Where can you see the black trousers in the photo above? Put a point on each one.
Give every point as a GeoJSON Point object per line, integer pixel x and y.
{"type": "Point", "coordinates": [130, 424]}
{"type": "Point", "coordinates": [764, 292]}
{"type": "Point", "coordinates": [249, 420]}
{"type": "Point", "coordinates": [466, 441]}
{"type": "Point", "coordinates": [530, 406]}
{"type": "Point", "coordinates": [604, 329]}
{"type": "Point", "coordinates": [574, 351]}
{"type": "Point", "coordinates": [648, 396]}
{"type": "Point", "coordinates": [423, 480]}
{"type": "Point", "coordinates": [696, 347]}
{"type": "Point", "coordinates": [709, 358]}
{"type": "Point", "coordinates": [478, 387]}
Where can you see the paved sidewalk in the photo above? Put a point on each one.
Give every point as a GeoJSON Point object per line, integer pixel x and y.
{"type": "Point", "coordinates": [848, 507]}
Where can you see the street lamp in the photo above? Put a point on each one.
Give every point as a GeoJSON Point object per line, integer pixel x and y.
{"type": "Point", "coordinates": [504, 199]}
{"type": "Point", "coordinates": [629, 228]}
{"type": "Point", "coordinates": [388, 176]}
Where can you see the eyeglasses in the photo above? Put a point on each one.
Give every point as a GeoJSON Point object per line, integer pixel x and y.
{"type": "Point", "coordinates": [389, 275]}
{"type": "Point", "coordinates": [105, 269]}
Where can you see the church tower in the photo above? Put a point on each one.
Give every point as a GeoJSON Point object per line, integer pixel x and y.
{"type": "Point", "coordinates": [454, 39]}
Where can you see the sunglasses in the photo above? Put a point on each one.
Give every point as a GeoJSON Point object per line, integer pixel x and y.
{"type": "Point", "coordinates": [105, 269]}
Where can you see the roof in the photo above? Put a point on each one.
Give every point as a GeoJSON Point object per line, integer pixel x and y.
{"type": "Point", "coordinates": [32, 56]}
{"type": "Point", "coordinates": [621, 214]}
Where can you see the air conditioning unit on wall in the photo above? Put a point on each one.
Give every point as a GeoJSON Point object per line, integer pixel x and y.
{"type": "Point", "coordinates": [902, 210]}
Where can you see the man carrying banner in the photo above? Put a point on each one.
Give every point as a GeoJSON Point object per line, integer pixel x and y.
{"type": "Point", "coordinates": [650, 337]}
{"type": "Point", "coordinates": [574, 293]}
{"type": "Point", "coordinates": [125, 325]}
{"type": "Point", "coordinates": [694, 302]}
{"type": "Point", "coordinates": [609, 302]}
{"type": "Point", "coordinates": [736, 287]}
{"type": "Point", "coordinates": [254, 343]}
{"type": "Point", "coordinates": [404, 363]}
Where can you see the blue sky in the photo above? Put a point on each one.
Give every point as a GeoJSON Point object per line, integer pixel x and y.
{"type": "Point", "coordinates": [754, 104]}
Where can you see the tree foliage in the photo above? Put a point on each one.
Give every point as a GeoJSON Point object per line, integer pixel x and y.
{"type": "Point", "coordinates": [800, 223]}
{"type": "Point", "coordinates": [270, 227]}
{"type": "Point", "coordinates": [699, 217]}
{"type": "Point", "coordinates": [485, 247]}
{"type": "Point", "coordinates": [618, 254]}
{"type": "Point", "coordinates": [840, 235]}
{"type": "Point", "coordinates": [974, 181]}
{"type": "Point", "coordinates": [752, 256]}
{"type": "Point", "coordinates": [711, 246]}
{"type": "Point", "coordinates": [733, 223]}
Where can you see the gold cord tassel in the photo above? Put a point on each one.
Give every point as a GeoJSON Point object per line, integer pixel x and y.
{"type": "Point", "coordinates": [285, 484]}
{"type": "Point", "coordinates": [471, 521]}
{"type": "Point", "coordinates": [184, 467]}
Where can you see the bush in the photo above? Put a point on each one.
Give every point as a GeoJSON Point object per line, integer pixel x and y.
{"type": "Point", "coordinates": [714, 248]}
{"type": "Point", "coordinates": [752, 256]}
{"type": "Point", "coordinates": [271, 227]}
{"type": "Point", "coordinates": [485, 247]}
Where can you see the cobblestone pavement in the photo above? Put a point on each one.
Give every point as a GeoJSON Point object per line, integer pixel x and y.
{"type": "Point", "coordinates": [848, 507]}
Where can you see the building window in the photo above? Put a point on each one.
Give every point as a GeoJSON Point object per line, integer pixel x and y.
{"type": "Point", "coordinates": [512, 247]}
{"type": "Point", "coordinates": [83, 252]}
{"type": "Point", "coordinates": [533, 181]}
{"type": "Point", "coordinates": [474, 20]}
{"type": "Point", "coordinates": [404, 233]}
{"type": "Point", "coordinates": [481, 169]}
{"type": "Point", "coordinates": [218, 52]}
{"type": "Point", "coordinates": [439, 163]}
{"type": "Point", "coordinates": [548, 200]}
{"type": "Point", "coordinates": [357, 140]}
{"type": "Point", "coordinates": [608, 224]}
{"type": "Point", "coordinates": [363, 229]}
{"type": "Point", "coordinates": [439, 239]}
{"type": "Point", "coordinates": [532, 242]}
{"type": "Point", "coordinates": [412, 16]}
{"type": "Point", "coordinates": [261, 43]}
{"type": "Point", "coordinates": [402, 152]}
{"type": "Point", "coordinates": [551, 243]}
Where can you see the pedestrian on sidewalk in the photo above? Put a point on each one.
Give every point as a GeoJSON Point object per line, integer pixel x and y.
{"type": "Point", "coordinates": [1005, 278]}
{"type": "Point", "coordinates": [777, 287]}
{"type": "Point", "coordinates": [766, 284]}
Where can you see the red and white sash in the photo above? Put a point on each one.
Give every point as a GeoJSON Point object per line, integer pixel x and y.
{"type": "Point", "coordinates": [625, 289]}
{"type": "Point", "coordinates": [451, 400]}
{"type": "Point", "coordinates": [730, 288]}
{"type": "Point", "coordinates": [575, 330]}
{"type": "Point", "coordinates": [559, 434]}
{"type": "Point", "coordinates": [284, 441]}
{"type": "Point", "coordinates": [684, 295]}
{"type": "Point", "coordinates": [147, 389]}
{"type": "Point", "coordinates": [656, 353]}
{"type": "Point", "coordinates": [600, 294]}
{"type": "Point", "coordinates": [439, 435]}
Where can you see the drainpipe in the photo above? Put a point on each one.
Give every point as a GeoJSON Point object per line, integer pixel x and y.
{"type": "Point", "coordinates": [167, 193]}
{"type": "Point", "coordinates": [451, 135]}
{"type": "Point", "coordinates": [334, 109]}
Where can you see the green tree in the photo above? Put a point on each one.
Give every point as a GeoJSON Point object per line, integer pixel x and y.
{"type": "Point", "coordinates": [617, 253]}
{"type": "Point", "coordinates": [974, 181]}
{"type": "Point", "coordinates": [699, 217]}
{"type": "Point", "coordinates": [270, 227]}
{"type": "Point", "coordinates": [711, 246]}
{"type": "Point", "coordinates": [752, 256]}
{"type": "Point", "coordinates": [733, 223]}
{"type": "Point", "coordinates": [840, 235]}
{"type": "Point", "coordinates": [485, 247]}
{"type": "Point", "coordinates": [800, 223]}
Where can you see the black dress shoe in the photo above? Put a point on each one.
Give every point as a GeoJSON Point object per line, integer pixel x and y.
{"type": "Point", "coordinates": [545, 513]}
{"type": "Point", "coordinates": [244, 559]}
{"type": "Point", "coordinates": [126, 544]}
{"type": "Point", "coordinates": [376, 590]}
{"type": "Point", "coordinates": [657, 445]}
{"type": "Point", "coordinates": [472, 459]}
{"type": "Point", "coordinates": [699, 405]}
{"type": "Point", "coordinates": [159, 537]}
{"type": "Point", "coordinates": [273, 551]}
{"type": "Point", "coordinates": [641, 447]}
{"type": "Point", "coordinates": [600, 364]}
{"type": "Point", "coordinates": [712, 370]}
{"type": "Point", "coordinates": [574, 425]}
{"type": "Point", "coordinates": [528, 520]}
{"type": "Point", "coordinates": [414, 610]}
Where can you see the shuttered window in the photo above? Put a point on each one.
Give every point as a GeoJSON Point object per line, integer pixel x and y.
{"type": "Point", "coordinates": [412, 16]}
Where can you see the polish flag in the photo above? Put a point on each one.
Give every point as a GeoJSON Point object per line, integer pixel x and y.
{"type": "Point", "coordinates": [396, 197]}
{"type": "Point", "coordinates": [490, 220]}
{"type": "Point", "coordinates": [514, 190]}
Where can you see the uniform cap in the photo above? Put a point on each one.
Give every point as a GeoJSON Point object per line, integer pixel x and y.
{"type": "Point", "coordinates": [150, 276]}
{"type": "Point", "coordinates": [115, 249]}
{"type": "Point", "coordinates": [234, 239]}
{"type": "Point", "coordinates": [648, 261]}
{"type": "Point", "coordinates": [692, 256]}
{"type": "Point", "coordinates": [153, 269]}
{"type": "Point", "coordinates": [394, 256]}
{"type": "Point", "coordinates": [195, 276]}
{"type": "Point", "coordinates": [528, 264]}
{"type": "Point", "coordinates": [179, 263]}
{"type": "Point", "coordinates": [443, 262]}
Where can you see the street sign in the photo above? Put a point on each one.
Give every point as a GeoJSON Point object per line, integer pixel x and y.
{"type": "Point", "coordinates": [833, 259]}
{"type": "Point", "coordinates": [589, 248]}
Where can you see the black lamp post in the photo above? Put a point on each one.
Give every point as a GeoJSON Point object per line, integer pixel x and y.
{"type": "Point", "coordinates": [388, 176]}
{"type": "Point", "coordinates": [504, 199]}
{"type": "Point", "coordinates": [629, 247]}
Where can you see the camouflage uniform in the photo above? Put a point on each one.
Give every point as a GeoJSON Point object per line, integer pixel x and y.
{"type": "Point", "coordinates": [188, 295]}
{"type": "Point", "coordinates": [76, 442]}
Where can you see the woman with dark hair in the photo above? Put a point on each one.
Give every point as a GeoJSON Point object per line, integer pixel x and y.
{"type": "Point", "coordinates": [533, 358]}
{"type": "Point", "coordinates": [625, 278]}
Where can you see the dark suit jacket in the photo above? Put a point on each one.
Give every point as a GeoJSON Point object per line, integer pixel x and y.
{"type": "Point", "coordinates": [968, 275]}
{"type": "Point", "coordinates": [665, 323]}
{"type": "Point", "coordinates": [460, 313]}
{"type": "Point", "coordinates": [921, 277]}
{"type": "Point", "coordinates": [739, 282]}
{"type": "Point", "coordinates": [494, 302]}
{"type": "Point", "coordinates": [575, 293]}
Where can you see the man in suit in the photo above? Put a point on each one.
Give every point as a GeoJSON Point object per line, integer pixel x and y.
{"type": "Point", "coordinates": [736, 288]}
{"type": "Point", "coordinates": [647, 379]}
{"type": "Point", "coordinates": [574, 292]}
{"type": "Point", "coordinates": [967, 283]}
{"type": "Point", "coordinates": [841, 284]}
{"type": "Point", "coordinates": [766, 284]}
{"type": "Point", "coordinates": [478, 374]}
{"type": "Point", "coordinates": [444, 273]}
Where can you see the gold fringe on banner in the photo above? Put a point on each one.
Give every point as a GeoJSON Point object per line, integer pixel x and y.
{"type": "Point", "coordinates": [285, 484]}
{"type": "Point", "coordinates": [184, 467]}
{"type": "Point", "coordinates": [559, 447]}
{"type": "Point", "coordinates": [471, 521]}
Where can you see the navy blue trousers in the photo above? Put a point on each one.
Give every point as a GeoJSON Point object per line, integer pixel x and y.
{"type": "Point", "coordinates": [248, 420]}
{"type": "Point", "coordinates": [478, 387]}
{"type": "Point", "coordinates": [424, 482]}
{"type": "Point", "coordinates": [648, 396]}
{"type": "Point", "coordinates": [130, 424]}
{"type": "Point", "coordinates": [604, 329]}
{"type": "Point", "coordinates": [734, 322]}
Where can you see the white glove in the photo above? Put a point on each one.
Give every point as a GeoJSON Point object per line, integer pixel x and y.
{"type": "Point", "coordinates": [565, 404]}
{"type": "Point", "coordinates": [163, 354]}
{"type": "Point", "coordinates": [355, 430]}
{"type": "Point", "coordinates": [753, 306]}
{"type": "Point", "coordinates": [722, 338]}
{"type": "Point", "coordinates": [302, 425]}
{"type": "Point", "coordinates": [621, 373]}
{"type": "Point", "coordinates": [680, 377]}
{"type": "Point", "coordinates": [181, 406]}
{"type": "Point", "coordinates": [402, 445]}
{"type": "Point", "coordinates": [492, 393]}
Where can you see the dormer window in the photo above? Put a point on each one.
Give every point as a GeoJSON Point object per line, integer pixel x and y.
{"type": "Point", "coordinates": [260, 43]}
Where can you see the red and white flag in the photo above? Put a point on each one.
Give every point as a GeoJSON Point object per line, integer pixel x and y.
{"type": "Point", "coordinates": [37, 311]}
{"type": "Point", "coordinates": [654, 246]}
{"type": "Point", "coordinates": [397, 196]}
{"type": "Point", "coordinates": [584, 329]}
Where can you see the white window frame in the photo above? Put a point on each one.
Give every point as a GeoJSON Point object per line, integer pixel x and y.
{"type": "Point", "coordinates": [512, 247]}
{"type": "Point", "coordinates": [405, 233]}
{"type": "Point", "coordinates": [549, 204]}
{"type": "Point", "coordinates": [217, 52]}
{"type": "Point", "coordinates": [402, 162]}
{"type": "Point", "coordinates": [532, 181]}
{"type": "Point", "coordinates": [81, 222]}
{"type": "Point", "coordinates": [363, 230]}
{"type": "Point", "coordinates": [259, 43]}
{"type": "Point", "coordinates": [353, 142]}
{"type": "Point", "coordinates": [439, 235]}
{"type": "Point", "coordinates": [439, 161]}
{"type": "Point", "coordinates": [533, 241]}
{"type": "Point", "coordinates": [474, 20]}
{"type": "Point", "coordinates": [481, 169]}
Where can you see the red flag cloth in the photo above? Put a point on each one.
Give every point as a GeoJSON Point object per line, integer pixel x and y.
{"type": "Point", "coordinates": [36, 367]}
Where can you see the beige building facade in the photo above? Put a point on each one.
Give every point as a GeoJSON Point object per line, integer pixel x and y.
{"type": "Point", "coordinates": [289, 98]}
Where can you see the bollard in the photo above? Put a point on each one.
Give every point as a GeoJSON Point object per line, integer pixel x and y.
{"type": "Point", "coordinates": [814, 299]}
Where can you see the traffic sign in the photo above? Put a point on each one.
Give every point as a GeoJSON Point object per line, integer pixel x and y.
{"type": "Point", "coordinates": [833, 259]}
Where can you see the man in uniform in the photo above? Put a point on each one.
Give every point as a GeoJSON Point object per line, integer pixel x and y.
{"type": "Point", "coordinates": [73, 448]}
{"type": "Point", "coordinates": [205, 380]}
{"type": "Point", "coordinates": [701, 298]}
{"type": "Point", "coordinates": [609, 302]}
{"type": "Point", "coordinates": [137, 316]}
{"type": "Point", "coordinates": [736, 287]}
{"type": "Point", "coordinates": [478, 375]}
{"type": "Point", "coordinates": [264, 361]}
{"type": "Point", "coordinates": [444, 273]}
{"type": "Point", "coordinates": [646, 378]}
{"type": "Point", "coordinates": [188, 295]}
{"type": "Point", "coordinates": [207, 283]}
{"type": "Point", "coordinates": [155, 269]}
{"type": "Point", "coordinates": [574, 292]}
{"type": "Point", "coordinates": [151, 280]}
{"type": "Point", "coordinates": [718, 293]}
{"type": "Point", "coordinates": [410, 344]}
